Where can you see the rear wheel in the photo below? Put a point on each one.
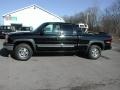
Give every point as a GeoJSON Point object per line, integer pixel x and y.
{"type": "Point", "coordinates": [22, 52]}
{"type": "Point", "coordinates": [94, 52]}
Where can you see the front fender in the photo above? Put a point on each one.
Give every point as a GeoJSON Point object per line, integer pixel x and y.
{"type": "Point", "coordinates": [31, 41]}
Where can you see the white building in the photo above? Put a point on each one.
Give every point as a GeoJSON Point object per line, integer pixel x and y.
{"type": "Point", "coordinates": [30, 16]}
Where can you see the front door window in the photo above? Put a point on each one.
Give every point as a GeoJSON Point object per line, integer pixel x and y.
{"type": "Point", "coordinates": [51, 29]}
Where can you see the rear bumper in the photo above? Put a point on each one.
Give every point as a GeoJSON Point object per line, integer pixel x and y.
{"type": "Point", "coordinates": [108, 47]}
{"type": "Point", "coordinates": [7, 46]}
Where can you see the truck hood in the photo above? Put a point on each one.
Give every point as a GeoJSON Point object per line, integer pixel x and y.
{"type": "Point", "coordinates": [20, 33]}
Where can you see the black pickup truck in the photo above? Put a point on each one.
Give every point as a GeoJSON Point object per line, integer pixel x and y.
{"type": "Point", "coordinates": [56, 37]}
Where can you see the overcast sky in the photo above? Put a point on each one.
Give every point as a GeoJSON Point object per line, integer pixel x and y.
{"type": "Point", "coordinates": [58, 7]}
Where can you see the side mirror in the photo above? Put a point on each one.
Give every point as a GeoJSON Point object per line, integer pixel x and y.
{"type": "Point", "coordinates": [31, 28]}
{"type": "Point", "coordinates": [42, 32]}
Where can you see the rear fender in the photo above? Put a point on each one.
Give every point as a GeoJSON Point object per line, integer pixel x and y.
{"type": "Point", "coordinates": [95, 42]}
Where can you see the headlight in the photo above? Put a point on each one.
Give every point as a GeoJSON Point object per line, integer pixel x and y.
{"type": "Point", "coordinates": [3, 32]}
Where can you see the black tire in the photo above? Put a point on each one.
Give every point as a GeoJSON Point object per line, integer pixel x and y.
{"type": "Point", "coordinates": [22, 52]}
{"type": "Point", "coordinates": [94, 52]}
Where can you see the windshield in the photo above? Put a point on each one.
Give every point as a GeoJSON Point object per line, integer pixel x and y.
{"type": "Point", "coordinates": [40, 27]}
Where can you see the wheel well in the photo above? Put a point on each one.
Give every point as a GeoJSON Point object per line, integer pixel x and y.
{"type": "Point", "coordinates": [98, 44]}
{"type": "Point", "coordinates": [24, 42]}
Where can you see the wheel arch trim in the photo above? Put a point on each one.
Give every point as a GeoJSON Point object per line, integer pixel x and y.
{"type": "Point", "coordinates": [95, 42]}
{"type": "Point", "coordinates": [31, 41]}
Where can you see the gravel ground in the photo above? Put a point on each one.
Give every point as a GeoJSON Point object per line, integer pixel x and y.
{"type": "Point", "coordinates": [61, 72]}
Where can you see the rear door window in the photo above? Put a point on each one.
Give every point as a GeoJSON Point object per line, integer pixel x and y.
{"type": "Point", "coordinates": [68, 29]}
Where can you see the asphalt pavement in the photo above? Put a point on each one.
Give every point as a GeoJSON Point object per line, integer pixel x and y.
{"type": "Point", "coordinates": [61, 72]}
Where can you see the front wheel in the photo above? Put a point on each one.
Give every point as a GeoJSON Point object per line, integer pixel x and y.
{"type": "Point", "coordinates": [94, 52]}
{"type": "Point", "coordinates": [22, 52]}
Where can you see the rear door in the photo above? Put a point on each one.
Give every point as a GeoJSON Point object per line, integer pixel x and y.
{"type": "Point", "coordinates": [68, 37]}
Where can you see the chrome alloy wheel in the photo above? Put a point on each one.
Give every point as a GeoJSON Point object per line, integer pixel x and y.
{"type": "Point", "coordinates": [95, 52]}
{"type": "Point", "coordinates": [23, 52]}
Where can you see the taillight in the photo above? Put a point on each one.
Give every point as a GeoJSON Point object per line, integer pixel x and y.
{"type": "Point", "coordinates": [108, 41]}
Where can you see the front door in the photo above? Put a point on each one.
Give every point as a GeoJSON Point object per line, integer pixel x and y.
{"type": "Point", "coordinates": [48, 40]}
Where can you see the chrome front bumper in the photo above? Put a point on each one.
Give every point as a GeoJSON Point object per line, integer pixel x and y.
{"type": "Point", "coordinates": [7, 46]}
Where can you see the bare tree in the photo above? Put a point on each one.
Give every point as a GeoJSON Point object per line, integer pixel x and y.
{"type": "Point", "coordinates": [109, 21]}
{"type": "Point", "coordinates": [92, 18]}
{"type": "Point", "coordinates": [111, 18]}
{"type": "Point", "coordinates": [77, 18]}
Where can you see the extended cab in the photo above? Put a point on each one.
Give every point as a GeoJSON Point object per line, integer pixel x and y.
{"type": "Point", "coordinates": [56, 37]}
